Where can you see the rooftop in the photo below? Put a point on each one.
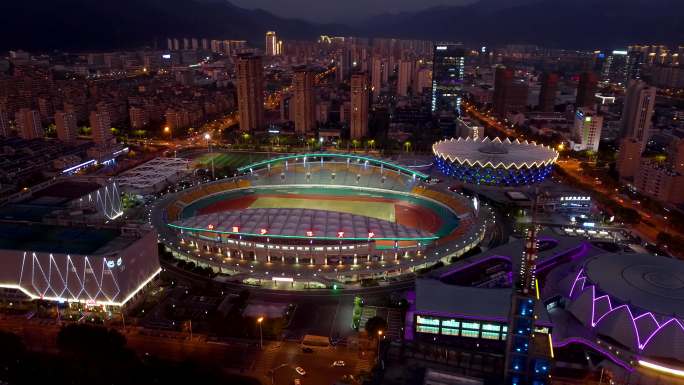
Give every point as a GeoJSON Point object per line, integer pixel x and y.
{"type": "Point", "coordinates": [495, 153]}
{"type": "Point", "coordinates": [58, 239]}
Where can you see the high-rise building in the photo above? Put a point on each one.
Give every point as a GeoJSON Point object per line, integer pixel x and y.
{"type": "Point", "coordinates": [139, 117]}
{"type": "Point", "coordinates": [586, 130]}
{"type": "Point", "coordinates": [271, 43]}
{"type": "Point", "coordinates": [376, 76]}
{"type": "Point", "coordinates": [359, 106]}
{"type": "Point", "coordinates": [586, 90]}
{"type": "Point", "coordinates": [101, 128]}
{"type": "Point", "coordinates": [28, 124]}
{"type": "Point", "coordinates": [628, 158]}
{"type": "Point", "coordinates": [637, 112]}
{"type": "Point", "coordinates": [615, 69]}
{"type": "Point", "coordinates": [305, 104]}
{"type": "Point", "coordinates": [448, 67]}
{"type": "Point", "coordinates": [4, 123]}
{"type": "Point", "coordinates": [547, 94]}
{"type": "Point", "coordinates": [659, 182]}
{"type": "Point", "coordinates": [67, 128]}
{"type": "Point", "coordinates": [322, 112]}
{"type": "Point", "coordinates": [404, 79]}
{"type": "Point", "coordinates": [250, 91]}
{"type": "Point", "coordinates": [509, 94]}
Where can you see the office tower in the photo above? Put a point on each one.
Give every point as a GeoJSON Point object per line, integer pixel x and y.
{"type": "Point", "coordinates": [271, 43]}
{"type": "Point", "coordinates": [345, 112]}
{"type": "Point", "coordinates": [186, 43]}
{"type": "Point", "coordinates": [66, 126]}
{"type": "Point", "coordinates": [305, 118]}
{"type": "Point", "coordinates": [547, 94]}
{"type": "Point", "coordinates": [423, 80]}
{"type": "Point", "coordinates": [509, 94]}
{"type": "Point", "coordinates": [359, 106]}
{"type": "Point", "coordinates": [169, 44]}
{"type": "Point", "coordinates": [404, 79]}
{"type": "Point", "coordinates": [194, 44]}
{"type": "Point", "coordinates": [4, 123]}
{"type": "Point", "coordinates": [250, 91]}
{"type": "Point", "coordinates": [615, 69]}
{"type": "Point", "coordinates": [101, 128]}
{"type": "Point", "coordinates": [586, 130]}
{"type": "Point", "coordinates": [635, 60]}
{"type": "Point", "coordinates": [586, 90]}
{"type": "Point", "coordinates": [376, 77]}
{"type": "Point", "coordinates": [447, 77]}
{"type": "Point", "coordinates": [637, 112]}
{"type": "Point", "coordinates": [205, 44]}
{"type": "Point", "coordinates": [176, 45]}
{"type": "Point", "coordinates": [28, 124]}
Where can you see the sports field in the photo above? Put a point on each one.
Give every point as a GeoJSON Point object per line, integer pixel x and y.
{"type": "Point", "coordinates": [405, 210]}
{"type": "Point", "coordinates": [227, 159]}
{"type": "Point", "coordinates": [374, 209]}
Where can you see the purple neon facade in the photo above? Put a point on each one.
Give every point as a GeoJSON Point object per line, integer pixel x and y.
{"type": "Point", "coordinates": [645, 327]}
{"type": "Point", "coordinates": [596, 347]}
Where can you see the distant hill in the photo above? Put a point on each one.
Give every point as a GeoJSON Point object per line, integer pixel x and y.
{"type": "Point", "coordinates": [107, 24]}
{"type": "Point", "coordinates": [582, 24]}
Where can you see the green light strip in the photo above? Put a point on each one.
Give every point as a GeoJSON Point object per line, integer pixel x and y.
{"type": "Point", "coordinates": [328, 155]}
{"type": "Point", "coordinates": [301, 236]}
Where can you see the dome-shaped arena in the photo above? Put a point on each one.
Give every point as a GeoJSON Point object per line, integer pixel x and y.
{"type": "Point", "coordinates": [636, 300]}
{"type": "Point", "coordinates": [494, 162]}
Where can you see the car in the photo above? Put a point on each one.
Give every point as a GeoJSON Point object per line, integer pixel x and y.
{"type": "Point", "coordinates": [300, 371]}
{"type": "Point", "coordinates": [339, 363]}
{"type": "Point", "coordinates": [307, 350]}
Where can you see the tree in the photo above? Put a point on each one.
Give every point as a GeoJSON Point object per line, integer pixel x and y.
{"type": "Point", "coordinates": [374, 325]}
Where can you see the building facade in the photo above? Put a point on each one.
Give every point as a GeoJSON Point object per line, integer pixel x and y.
{"type": "Point", "coordinates": [305, 103]}
{"type": "Point", "coordinates": [250, 92]}
{"type": "Point", "coordinates": [359, 106]}
{"type": "Point", "coordinates": [448, 67]}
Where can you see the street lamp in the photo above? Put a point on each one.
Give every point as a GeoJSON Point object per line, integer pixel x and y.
{"type": "Point", "coordinates": [261, 334]}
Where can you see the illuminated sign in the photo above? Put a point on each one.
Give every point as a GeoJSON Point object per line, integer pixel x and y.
{"type": "Point", "coordinates": [263, 231]}
{"type": "Point", "coordinates": [441, 48]}
{"type": "Point", "coordinates": [210, 227]}
{"type": "Point", "coordinates": [340, 234]}
{"type": "Point", "coordinates": [619, 52]}
{"type": "Point", "coordinates": [309, 233]}
{"type": "Point", "coordinates": [236, 229]}
{"type": "Point", "coordinates": [371, 234]}
{"type": "Point", "coordinates": [282, 279]}
{"type": "Point", "coordinates": [166, 56]}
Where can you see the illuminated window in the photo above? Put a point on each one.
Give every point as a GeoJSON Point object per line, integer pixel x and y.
{"type": "Point", "coordinates": [504, 328]}
{"type": "Point", "coordinates": [449, 332]}
{"type": "Point", "coordinates": [470, 333]}
{"type": "Point", "coordinates": [544, 330]}
{"type": "Point", "coordinates": [503, 336]}
{"type": "Point", "coordinates": [490, 336]}
{"type": "Point", "coordinates": [450, 323]}
{"type": "Point", "coordinates": [491, 327]}
{"type": "Point", "coordinates": [471, 325]}
{"type": "Point", "coordinates": [427, 321]}
{"type": "Point", "coordinates": [427, 329]}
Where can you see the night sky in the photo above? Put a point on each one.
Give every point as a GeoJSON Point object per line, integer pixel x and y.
{"type": "Point", "coordinates": [346, 11]}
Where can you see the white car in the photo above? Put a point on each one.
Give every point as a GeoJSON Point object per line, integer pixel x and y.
{"type": "Point", "coordinates": [300, 371]}
{"type": "Point", "coordinates": [339, 363]}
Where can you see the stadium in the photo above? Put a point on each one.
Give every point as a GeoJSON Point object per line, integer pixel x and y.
{"type": "Point", "coordinates": [633, 299]}
{"type": "Point", "coordinates": [318, 219]}
{"type": "Point", "coordinates": [494, 162]}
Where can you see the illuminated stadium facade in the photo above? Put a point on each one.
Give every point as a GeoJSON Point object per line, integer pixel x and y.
{"type": "Point", "coordinates": [86, 265]}
{"type": "Point", "coordinates": [633, 299]}
{"type": "Point", "coordinates": [318, 218]}
{"type": "Point", "coordinates": [494, 162]}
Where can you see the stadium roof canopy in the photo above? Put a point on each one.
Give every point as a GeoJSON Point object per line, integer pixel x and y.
{"type": "Point", "coordinates": [334, 156]}
{"type": "Point", "coordinates": [297, 223]}
{"type": "Point", "coordinates": [495, 153]}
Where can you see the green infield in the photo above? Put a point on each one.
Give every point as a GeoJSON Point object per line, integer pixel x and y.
{"type": "Point", "coordinates": [231, 160]}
